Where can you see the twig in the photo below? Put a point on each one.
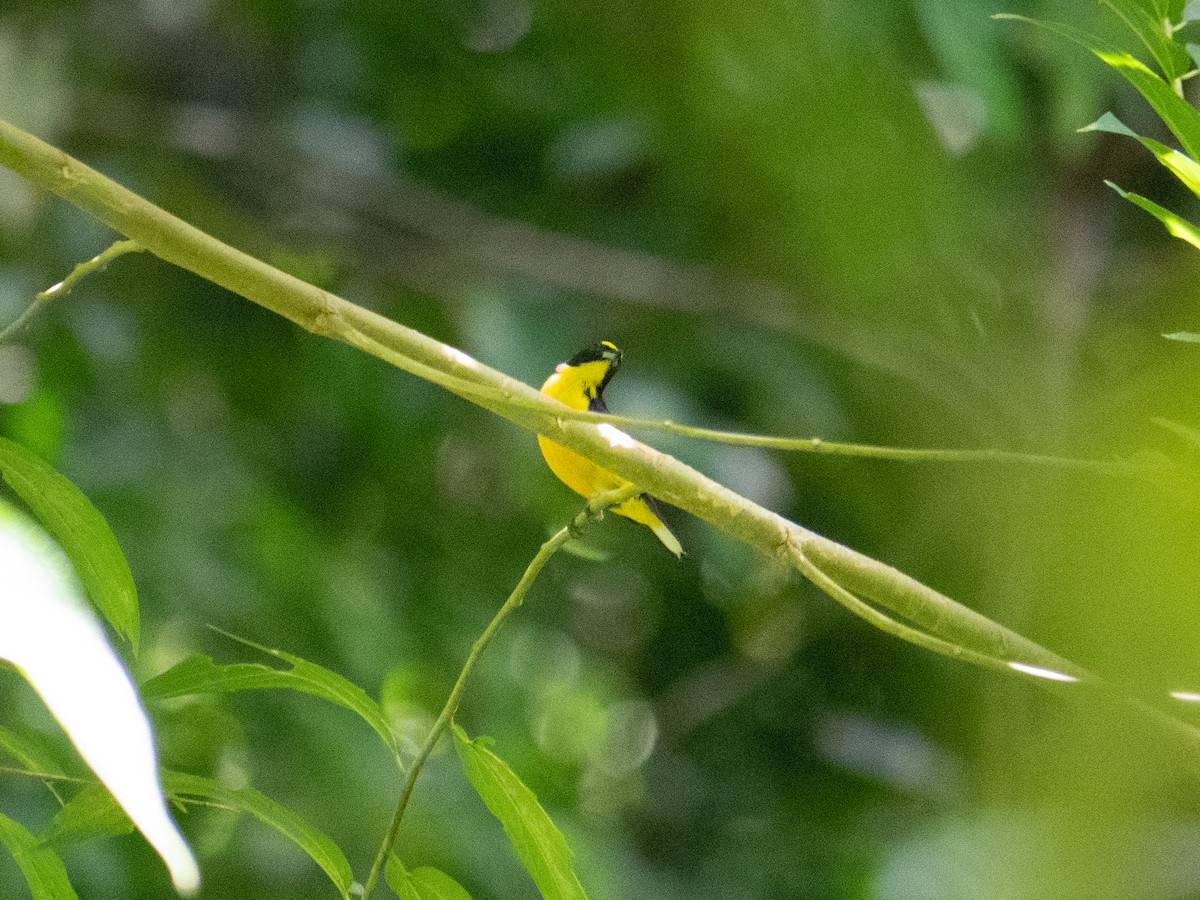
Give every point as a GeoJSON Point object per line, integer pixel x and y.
{"type": "Point", "coordinates": [594, 509]}
{"type": "Point", "coordinates": [64, 287]}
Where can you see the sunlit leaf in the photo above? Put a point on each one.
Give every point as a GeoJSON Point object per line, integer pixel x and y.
{"type": "Point", "coordinates": [537, 841]}
{"type": "Point", "coordinates": [54, 639]}
{"type": "Point", "coordinates": [1191, 12]}
{"type": "Point", "coordinates": [80, 530]}
{"type": "Point", "coordinates": [422, 883]}
{"type": "Point", "coordinates": [1182, 167]}
{"type": "Point", "coordinates": [1148, 22]}
{"type": "Point", "coordinates": [92, 812]}
{"type": "Point", "coordinates": [1189, 337]}
{"type": "Point", "coordinates": [43, 870]}
{"type": "Point", "coordinates": [1191, 435]}
{"type": "Point", "coordinates": [200, 675]}
{"type": "Point", "coordinates": [315, 843]}
{"type": "Point", "coordinates": [1180, 116]}
{"type": "Point", "coordinates": [1175, 225]}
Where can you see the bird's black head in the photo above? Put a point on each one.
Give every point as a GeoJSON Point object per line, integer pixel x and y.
{"type": "Point", "coordinates": [605, 351]}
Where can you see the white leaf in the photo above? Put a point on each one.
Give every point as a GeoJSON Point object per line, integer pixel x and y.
{"type": "Point", "coordinates": [56, 642]}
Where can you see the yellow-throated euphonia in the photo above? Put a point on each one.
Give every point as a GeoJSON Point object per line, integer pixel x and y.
{"type": "Point", "coordinates": [580, 383]}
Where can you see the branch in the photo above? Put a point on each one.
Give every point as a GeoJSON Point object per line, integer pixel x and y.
{"type": "Point", "coordinates": [323, 313]}
{"type": "Point", "coordinates": [96, 264]}
{"type": "Point", "coordinates": [593, 510]}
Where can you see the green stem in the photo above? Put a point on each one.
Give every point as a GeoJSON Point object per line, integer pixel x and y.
{"type": "Point", "coordinates": [593, 510]}
{"type": "Point", "coordinates": [64, 287]}
{"type": "Point", "coordinates": [320, 312]}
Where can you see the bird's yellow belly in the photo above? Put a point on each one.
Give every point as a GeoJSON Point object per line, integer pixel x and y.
{"type": "Point", "coordinates": [586, 478]}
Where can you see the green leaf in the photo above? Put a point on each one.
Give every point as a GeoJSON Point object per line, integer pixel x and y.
{"type": "Point", "coordinates": [1182, 167]}
{"type": "Point", "coordinates": [1110, 123]}
{"type": "Point", "coordinates": [319, 847]}
{"type": "Point", "coordinates": [424, 883]}
{"type": "Point", "coordinates": [92, 812]}
{"type": "Point", "coordinates": [1191, 435]}
{"type": "Point", "coordinates": [43, 870]}
{"type": "Point", "coordinates": [28, 753]}
{"type": "Point", "coordinates": [200, 675]}
{"type": "Point", "coordinates": [537, 841]}
{"type": "Point", "coordinates": [1148, 22]}
{"type": "Point", "coordinates": [81, 531]}
{"type": "Point", "coordinates": [1176, 225]}
{"type": "Point", "coordinates": [1189, 337]}
{"type": "Point", "coordinates": [1180, 116]}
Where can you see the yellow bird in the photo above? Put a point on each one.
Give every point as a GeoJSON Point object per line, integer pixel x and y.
{"type": "Point", "coordinates": [580, 383]}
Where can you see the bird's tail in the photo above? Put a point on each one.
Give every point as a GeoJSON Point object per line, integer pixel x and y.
{"type": "Point", "coordinates": [671, 542]}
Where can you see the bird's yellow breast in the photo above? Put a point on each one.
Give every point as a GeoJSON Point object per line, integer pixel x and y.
{"type": "Point", "coordinates": [575, 386]}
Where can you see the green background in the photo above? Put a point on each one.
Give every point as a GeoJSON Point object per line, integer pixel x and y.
{"type": "Point", "coordinates": [867, 221]}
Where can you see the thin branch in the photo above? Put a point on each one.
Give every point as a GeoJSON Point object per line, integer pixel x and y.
{"type": "Point", "coordinates": [664, 476]}
{"type": "Point", "coordinates": [594, 509]}
{"type": "Point", "coordinates": [96, 264]}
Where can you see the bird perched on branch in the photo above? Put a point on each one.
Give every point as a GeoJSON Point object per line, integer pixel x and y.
{"type": "Point", "coordinates": [579, 383]}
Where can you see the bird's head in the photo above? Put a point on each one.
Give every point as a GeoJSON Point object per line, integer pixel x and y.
{"type": "Point", "coordinates": [597, 364]}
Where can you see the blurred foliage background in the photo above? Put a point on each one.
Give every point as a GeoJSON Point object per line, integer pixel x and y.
{"type": "Point", "coordinates": [867, 221]}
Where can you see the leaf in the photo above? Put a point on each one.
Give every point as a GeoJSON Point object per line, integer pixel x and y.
{"type": "Point", "coordinates": [33, 757]}
{"type": "Point", "coordinates": [80, 530]}
{"type": "Point", "coordinates": [92, 812]}
{"type": "Point", "coordinates": [1176, 225]}
{"type": "Point", "coordinates": [537, 841]}
{"type": "Point", "coordinates": [315, 843]}
{"type": "Point", "coordinates": [1110, 123]}
{"type": "Point", "coordinates": [1191, 435]}
{"type": "Point", "coordinates": [1189, 337]}
{"type": "Point", "coordinates": [43, 870]}
{"type": "Point", "coordinates": [423, 883]}
{"type": "Point", "coordinates": [1180, 116]}
{"type": "Point", "coordinates": [200, 675]}
{"type": "Point", "coordinates": [1182, 167]}
{"type": "Point", "coordinates": [28, 753]}
{"type": "Point", "coordinates": [55, 640]}
{"type": "Point", "coordinates": [1149, 24]}
{"type": "Point", "coordinates": [1191, 12]}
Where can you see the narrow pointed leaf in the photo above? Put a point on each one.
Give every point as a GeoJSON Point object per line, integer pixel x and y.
{"type": "Point", "coordinates": [535, 838]}
{"type": "Point", "coordinates": [43, 870]}
{"type": "Point", "coordinates": [1182, 167]}
{"type": "Point", "coordinates": [28, 753]}
{"type": "Point", "coordinates": [315, 843]}
{"type": "Point", "coordinates": [200, 675]}
{"type": "Point", "coordinates": [92, 812]}
{"type": "Point", "coordinates": [1180, 116]}
{"type": "Point", "coordinates": [1188, 337]}
{"type": "Point", "coordinates": [1148, 22]}
{"type": "Point", "coordinates": [422, 883]}
{"type": "Point", "coordinates": [1190, 435]}
{"type": "Point", "coordinates": [80, 530]}
{"type": "Point", "coordinates": [1175, 225]}
{"type": "Point", "coordinates": [34, 758]}
{"type": "Point", "coordinates": [1110, 123]}
{"type": "Point", "coordinates": [55, 640]}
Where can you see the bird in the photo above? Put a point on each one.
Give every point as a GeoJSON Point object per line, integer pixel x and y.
{"type": "Point", "coordinates": [579, 383]}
